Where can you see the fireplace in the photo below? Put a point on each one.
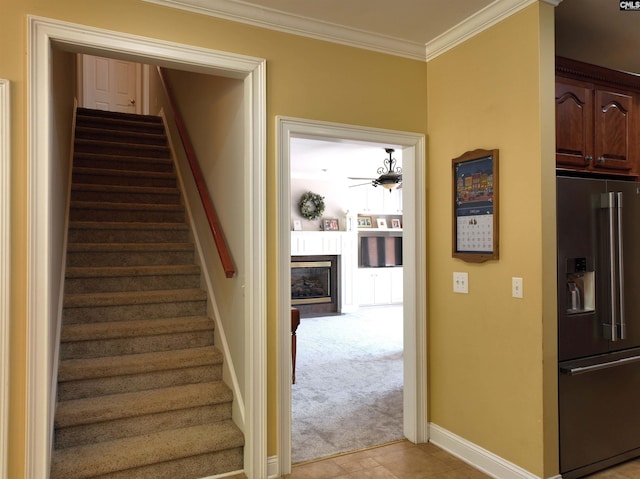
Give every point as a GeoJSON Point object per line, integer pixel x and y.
{"type": "Point", "coordinates": [314, 284]}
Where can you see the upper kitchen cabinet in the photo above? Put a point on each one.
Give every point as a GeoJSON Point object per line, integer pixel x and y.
{"type": "Point", "coordinates": [378, 200]}
{"type": "Point", "coordinates": [596, 119]}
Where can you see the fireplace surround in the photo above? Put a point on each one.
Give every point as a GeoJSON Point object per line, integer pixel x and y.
{"type": "Point", "coordinates": [314, 284]}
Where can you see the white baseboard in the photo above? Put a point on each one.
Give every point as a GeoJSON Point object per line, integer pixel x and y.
{"type": "Point", "coordinates": [273, 467]}
{"type": "Point", "coordinates": [474, 455]}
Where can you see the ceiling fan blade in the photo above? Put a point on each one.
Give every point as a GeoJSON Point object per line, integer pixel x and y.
{"type": "Point", "coordinates": [360, 184]}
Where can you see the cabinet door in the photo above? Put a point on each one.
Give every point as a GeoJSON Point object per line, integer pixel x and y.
{"type": "Point", "coordinates": [613, 131]}
{"type": "Point", "coordinates": [574, 124]}
{"type": "Point", "coordinates": [396, 285]}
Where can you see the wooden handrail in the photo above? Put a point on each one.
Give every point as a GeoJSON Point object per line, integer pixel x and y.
{"type": "Point", "coordinates": [212, 217]}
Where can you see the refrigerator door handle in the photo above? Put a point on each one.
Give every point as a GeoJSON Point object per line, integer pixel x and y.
{"type": "Point", "coordinates": [608, 201]}
{"type": "Point", "coordinates": [620, 297]}
{"type": "Point", "coordinates": [598, 367]}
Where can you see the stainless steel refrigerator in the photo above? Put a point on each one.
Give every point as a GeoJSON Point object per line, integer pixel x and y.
{"type": "Point", "coordinates": [598, 227]}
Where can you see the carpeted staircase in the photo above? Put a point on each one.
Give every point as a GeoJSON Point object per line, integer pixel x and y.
{"type": "Point", "coordinates": [140, 393]}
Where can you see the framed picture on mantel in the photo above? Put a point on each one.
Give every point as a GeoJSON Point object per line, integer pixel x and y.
{"type": "Point", "coordinates": [475, 206]}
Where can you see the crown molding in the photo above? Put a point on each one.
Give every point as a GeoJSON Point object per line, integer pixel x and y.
{"type": "Point", "coordinates": [297, 25]}
{"type": "Point", "coordinates": [478, 22]}
{"type": "Point", "coordinates": [263, 17]}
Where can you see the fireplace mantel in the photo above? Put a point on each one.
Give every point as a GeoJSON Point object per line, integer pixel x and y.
{"type": "Point", "coordinates": [341, 243]}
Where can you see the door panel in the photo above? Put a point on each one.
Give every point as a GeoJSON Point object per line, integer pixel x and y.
{"type": "Point", "coordinates": [631, 263]}
{"type": "Point", "coordinates": [599, 418]}
{"type": "Point", "coordinates": [112, 85]}
{"type": "Point", "coordinates": [578, 213]}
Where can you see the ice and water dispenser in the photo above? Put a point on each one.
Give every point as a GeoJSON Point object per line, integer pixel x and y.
{"type": "Point", "coordinates": [580, 285]}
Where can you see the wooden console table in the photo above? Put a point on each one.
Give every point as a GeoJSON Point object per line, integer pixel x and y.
{"type": "Point", "coordinates": [295, 322]}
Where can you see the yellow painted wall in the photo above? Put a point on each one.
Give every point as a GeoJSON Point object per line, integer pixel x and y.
{"type": "Point", "coordinates": [489, 353]}
{"type": "Point", "coordinates": [491, 356]}
{"type": "Point", "coordinates": [305, 78]}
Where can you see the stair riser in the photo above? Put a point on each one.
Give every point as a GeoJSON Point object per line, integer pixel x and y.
{"type": "Point", "coordinates": [126, 258]}
{"type": "Point", "coordinates": [124, 164]}
{"type": "Point", "coordinates": [138, 216]}
{"type": "Point", "coordinates": [193, 467]}
{"type": "Point", "coordinates": [93, 314]}
{"type": "Point", "coordinates": [89, 235]}
{"type": "Point", "coordinates": [107, 125]}
{"type": "Point", "coordinates": [131, 283]}
{"type": "Point", "coordinates": [108, 148]}
{"type": "Point", "coordinates": [127, 197]}
{"type": "Point", "coordinates": [84, 388]}
{"type": "Point", "coordinates": [100, 179]}
{"type": "Point", "coordinates": [121, 136]}
{"type": "Point", "coordinates": [116, 429]}
{"type": "Point", "coordinates": [144, 344]}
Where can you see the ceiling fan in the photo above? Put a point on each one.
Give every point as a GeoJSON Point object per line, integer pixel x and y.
{"type": "Point", "coordinates": [390, 174]}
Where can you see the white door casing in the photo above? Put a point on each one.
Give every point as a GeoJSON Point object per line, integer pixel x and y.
{"type": "Point", "coordinates": [42, 34]}
{"type": "Point", "coordinates": [5, 261]}
{"type": "Point", "coordinates": [414, 270]}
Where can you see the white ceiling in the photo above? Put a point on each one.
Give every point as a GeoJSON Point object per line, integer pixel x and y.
{"type": "Point", "coordinates": [594, 31]}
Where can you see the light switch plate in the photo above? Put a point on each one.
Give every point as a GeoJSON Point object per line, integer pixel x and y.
{"type": "Point", "coordinates": [516, 287]}
{"type": "Point", "coordinates": [460, 282]}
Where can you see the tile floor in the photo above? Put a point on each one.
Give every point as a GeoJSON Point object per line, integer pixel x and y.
{"type": "Point", "coordinates": [403, 460]}
{"type": "Point", "coordinates": [400, 460]}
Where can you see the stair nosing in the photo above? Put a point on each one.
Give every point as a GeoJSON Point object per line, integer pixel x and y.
{"type": "Point", "coordinates": [73, 272]}
{"type": "Point", "coordinates": [127, 453]}
{"type": "Point", "coordinates": [134, 328]}
{"type": "Point", "coordinates": [118, 298]}
{"type": "Point", "coordinates": [96, 187]}
{"type": "Point", "coordinates": [128, 225]}
{"type": "Point", "coordinates": [140, 363]}
{"type": "Point", "coordinates": [109, 172]}
{"type": "Point", "coordinates": [76, 412]}
{"type": "Point", "coordinates": [76, 247]}
{"type": "Point", "coordinates": [113, 205]}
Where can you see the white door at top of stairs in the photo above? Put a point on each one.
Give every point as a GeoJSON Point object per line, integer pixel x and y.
{"type": "Point", "coordinates": [110, 84]}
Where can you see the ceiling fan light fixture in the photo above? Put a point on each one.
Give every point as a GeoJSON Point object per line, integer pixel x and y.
{"type": "Point", "coordinates": [390, 174]}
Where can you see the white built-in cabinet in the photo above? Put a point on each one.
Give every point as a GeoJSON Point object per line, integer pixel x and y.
{"type": "Point", "coordinates": [380, 285]}
{"type": "Point", "coordinates": [367, 199]}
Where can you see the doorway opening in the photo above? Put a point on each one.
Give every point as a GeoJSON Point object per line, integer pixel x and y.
{"type": "Point", "coordinates": [414, 271]}
{"type": "Point", "coordinates": [348, 391]}
{"type": "Point", "coordinates": [52, 40]}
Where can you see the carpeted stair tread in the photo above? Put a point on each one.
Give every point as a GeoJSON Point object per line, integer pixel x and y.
{"type": "Point", "coordinates": [82, 300]}
{"type": "Point", "coordinates": [119, 135]}
{"type": "Point", "coordinates": [117, 406]}
{"type": "Point", "coordinates": [123, 271]}
{"type": "Point", "coordinates": [123, 163]}
{"type": "Point", "coordinates": [109, 142]}
{"type": "Point", "coordinates": [92, 460]}
{"type": "Point", "coordinates": [76, 369]}
{"type": "Point", "coordinates": [123, 189]}
{"type": "Point", "coordinates": [110, 247]}
{"type": "Point", "coordinates": [104, 205]}
{"type": "Point", "coordinates": [118, 173]}
{"type": "Point", "coordinates": [135, 328]}
{"type": "Point", "coordinates": [127, 225]}
{"type": "Point", "coordinates": [117, 116]}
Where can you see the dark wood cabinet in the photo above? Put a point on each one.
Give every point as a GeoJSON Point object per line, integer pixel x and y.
{"type": "Point", "coordinates": [597, 124]}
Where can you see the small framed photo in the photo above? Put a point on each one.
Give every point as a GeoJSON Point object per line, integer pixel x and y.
{"type": "Point", "coordinates": [297, 225]}
{"type": "Point", "coordinates": [364, 222]}
{"type": "Point", "coordinates": [330, 224]}
{"type": "Point", "coordinates": [382, 223]}
{"type": "Point", "coordinates": [395, 223]}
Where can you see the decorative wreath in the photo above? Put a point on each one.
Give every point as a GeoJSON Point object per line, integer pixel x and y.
{"type": "Point", "coordinates": [311, 205]}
